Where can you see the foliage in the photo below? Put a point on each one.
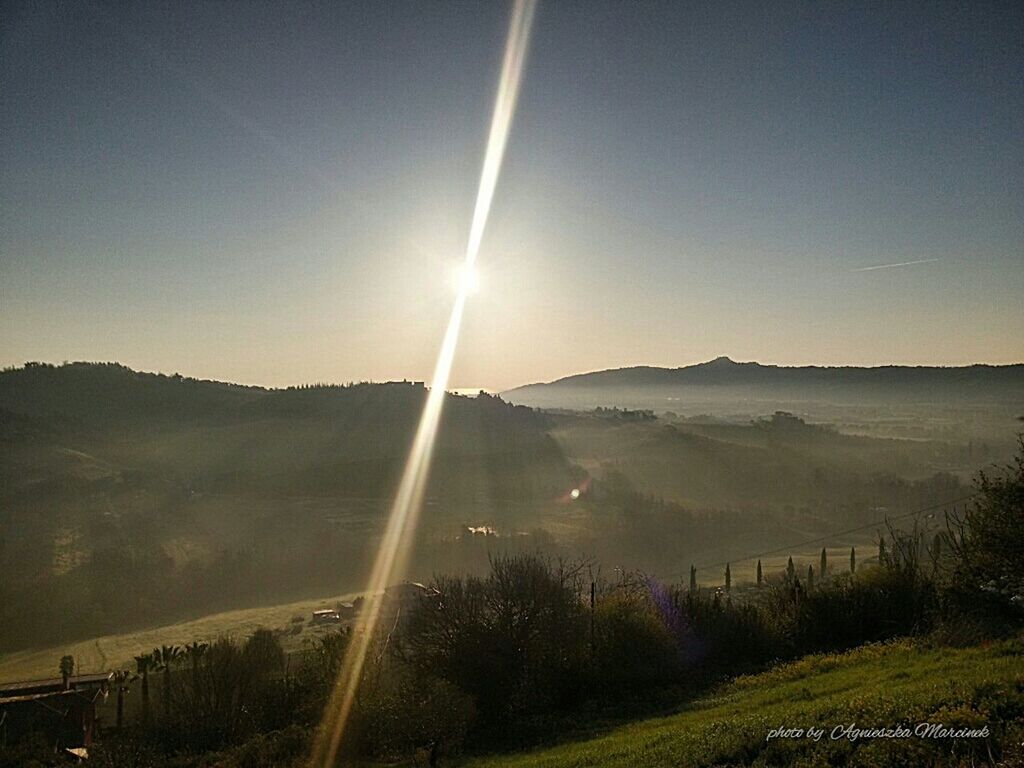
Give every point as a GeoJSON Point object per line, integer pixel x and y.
{"type": "Point", "coordinates": [514, 640]}
{"type": "Point", "coordinates": [625, 621]}
{"type": "Point", "coordinates": [987, 542]}
{"type": "Point", "coordinates": [406, 711]}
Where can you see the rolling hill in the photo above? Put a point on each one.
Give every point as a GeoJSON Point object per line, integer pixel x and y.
{"type": "Point", "coordinates": [128, 498]}
{"type": "Point", "coordinates": [965, 382]}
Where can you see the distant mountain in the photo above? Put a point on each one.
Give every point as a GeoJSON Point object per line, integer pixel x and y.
{"type": "Point", "coordinates": [723, 377]}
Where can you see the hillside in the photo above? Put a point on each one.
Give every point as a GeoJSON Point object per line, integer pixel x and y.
{"type": "Point", "coordinates": [873, 686]}
{"type": "Point", "coordinates": [128, 498]}
{"type": "Point", "coordinates": [973, 381]}
{"type": "Point", "coordinates": [765, 463]}
{"type": "Point", "coordinates": [976, 402]}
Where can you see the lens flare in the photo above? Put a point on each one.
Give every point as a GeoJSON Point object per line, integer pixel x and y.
{"type": "Point", "coordinates": [466, 280]}
{"type": "Point", "coordinates": [393, 551]}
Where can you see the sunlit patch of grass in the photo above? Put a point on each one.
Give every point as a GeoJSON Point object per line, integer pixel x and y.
{"type": "Point", "coordinates": [876, 685]}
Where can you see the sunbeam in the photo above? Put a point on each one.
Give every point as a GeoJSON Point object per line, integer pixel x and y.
{"type": "Point", "coordinates": [394, 547]}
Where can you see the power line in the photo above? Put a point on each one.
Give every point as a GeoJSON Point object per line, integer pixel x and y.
{"type": "Point", "coordinates": [835, 534]}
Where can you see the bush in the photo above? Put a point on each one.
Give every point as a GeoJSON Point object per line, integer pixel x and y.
{"type": "Point", "coordinates": [877, 604]}
{"type": "Point", "coordinates": [403, 712]}
{"type": "Point", "coordinates": [726, 637]}
{"type": "Point", "coordinates": [634, 647]}
{"type": "Point", "coordinates": [986, 582]}
{"type": "Point", "coordinates": [514, 640]}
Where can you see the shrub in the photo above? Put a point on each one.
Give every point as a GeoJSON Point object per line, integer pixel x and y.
{"type": "Point", "coordinates": [634, 646]}
{"type": "Point", "coordinates": [986, 582]}
{"type": "Point", "coordinates": [514, 640]}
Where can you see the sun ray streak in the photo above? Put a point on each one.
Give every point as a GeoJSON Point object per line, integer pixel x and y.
{"type": "Point", "coordinates": [396, 542]}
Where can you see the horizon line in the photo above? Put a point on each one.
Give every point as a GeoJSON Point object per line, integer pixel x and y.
{"type": "Point", "coordinates": [460, 390]}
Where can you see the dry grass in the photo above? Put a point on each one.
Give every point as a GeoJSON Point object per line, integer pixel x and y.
{"type": "Point", "coordinates": [118, 651]}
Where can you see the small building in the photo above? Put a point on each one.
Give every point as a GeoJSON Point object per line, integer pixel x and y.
{"type": "Point", "coordinates": [326, 616]}
{"type": "Point", "coordinates": [65, 716]}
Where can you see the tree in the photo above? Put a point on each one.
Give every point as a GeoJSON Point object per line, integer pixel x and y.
{"type": "Point", "coordinates": [936, 552]}
{"type": "Point", "coordinates": [760, 577]}
{"type": "Point", "coordinates": [823, 565]}
{"type": "Point", "coordinates": [515, 640]}
{"type": "Point", "coordinates": [790, 569]}
{"type": "Point", "coordinates": [883, 556]}
{"type": "Point", "coordinates": [853, 560]}
{"type": "Point", "coordinates": [693, 579]}
{"type": "Point", "coordinates": [194, 653]}
{"type": "Point", "coordinates": [986, 542]}
{"type": "Point", "coordinates": [67, 668]}
{"type": "Point", "coordinates": [163, 658]}
{"type": "Point", "coordinates": [810, 578]}
{"type": "Point", "coordinates": [728, 578]}
{"type": "Point", "coordinates": [143, 665]}
{"type": "Point", "coordinates": [121, 679]}
{"type": "Point", "coordinates": [263, 651]}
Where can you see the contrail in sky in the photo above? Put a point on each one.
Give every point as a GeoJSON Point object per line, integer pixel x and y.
{"type": "Point", "coordinates": [892, 266]}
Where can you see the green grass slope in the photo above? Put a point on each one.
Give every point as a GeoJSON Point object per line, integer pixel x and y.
{"type": "Point", "coordinates": [873, 686]}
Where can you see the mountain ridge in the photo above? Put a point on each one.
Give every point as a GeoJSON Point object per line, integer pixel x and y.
{"type": "Point", "coordinates": [724, 370]}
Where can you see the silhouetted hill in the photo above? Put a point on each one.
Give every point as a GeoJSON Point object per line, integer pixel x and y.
{"type": "Point", "coordinates": [109, 391]}
{"type": "Point", "coordinates": [301, 440]}
{"type": "Point", "coordinates": [128, 496]}
{"type": "Point", "coordinates": [143, 497]}
{"type": "Point", "coordinates": [723, 377]}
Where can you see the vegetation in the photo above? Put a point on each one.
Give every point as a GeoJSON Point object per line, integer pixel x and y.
{"type": "Point", "coordinates": [130, 499]}
{"type": "Point", "coordinates": [879, 685]}
{"type": "Point", "coordinates": [126, 492]}
{"type": "Point", "coordinates": [119, 651]}
{"type": "Point", "coordinates": [535, 648]}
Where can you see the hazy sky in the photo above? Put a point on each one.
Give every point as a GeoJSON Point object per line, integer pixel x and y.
{"type": "Point", "coordinates": [278, 193]}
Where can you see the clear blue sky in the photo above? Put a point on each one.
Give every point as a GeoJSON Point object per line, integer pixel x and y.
{"type": "Point", "coordinates": [276, 193]}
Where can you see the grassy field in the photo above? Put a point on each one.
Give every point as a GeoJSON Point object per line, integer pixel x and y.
{"type": "Point", "coordinates": [878, 685]}
{"type": "Point", "coordinates": [118, 651]}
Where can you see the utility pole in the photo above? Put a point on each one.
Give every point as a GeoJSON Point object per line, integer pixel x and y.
{"type": "Point", "coordinates": [593, 604]}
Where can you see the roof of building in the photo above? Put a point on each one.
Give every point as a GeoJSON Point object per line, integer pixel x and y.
{"type": "Point", "coordinates": [69, 696]}
{"type": "Point", "coordinates": [53, 684]}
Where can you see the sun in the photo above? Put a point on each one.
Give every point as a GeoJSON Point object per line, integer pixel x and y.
{"type": "Point", "coordinates": [466, 280]}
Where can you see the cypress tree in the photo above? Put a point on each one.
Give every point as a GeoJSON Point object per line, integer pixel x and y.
{"type": "Point", "coordinates": [810, 578]}
{"type": "Point", "coordinates": [853, 559]}
{"type": "Point", "coordinates": [790, 568]}
{"type": "Point", "coordinates": [693, 579]}
{"type": "Point", "coordinates": [936, 552]}
{"type": "Point", "coordinates": [760, 578]}
{"type": "Point", "coordinates": [823, 567]}
{"type": "Point", "coordinates": [728, 578]}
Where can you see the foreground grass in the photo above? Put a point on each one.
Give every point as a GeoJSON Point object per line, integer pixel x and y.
{"type": "Point", "coordinates": [118, 651]}
{"type": "Point", "coordinates": [878, 685]}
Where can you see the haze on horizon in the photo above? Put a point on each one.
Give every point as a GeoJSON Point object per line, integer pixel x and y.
{"type": "Point", "coordinates": [279, 194]}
